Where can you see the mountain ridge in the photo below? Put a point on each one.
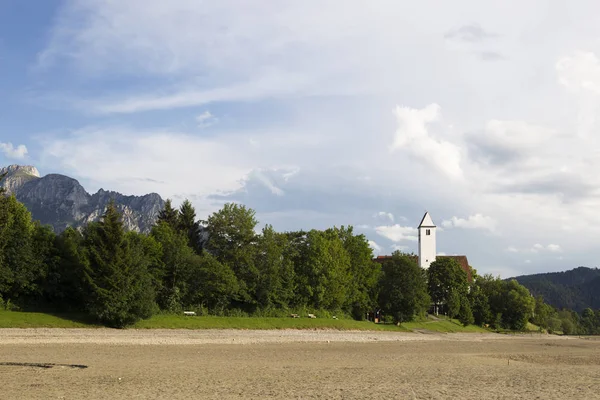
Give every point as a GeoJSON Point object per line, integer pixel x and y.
{"type": "Point", "coordinates": [61, 201]}
{"type": "Point", "coordinates": [576, 289]}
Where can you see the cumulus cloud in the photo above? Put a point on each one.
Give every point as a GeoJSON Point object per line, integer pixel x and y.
{"type": "Point", "coordinates": [397, 233]}
{"type": "Point", "coordinates": [476, 221]}
{"type": "Point", "coordinates": [10, 151]}
{"type": "Point", "coordinates": [289, 69]}
{"type": "Point", "coordinates": [580, 72]}
{"type": "Point", "coordinates": [412, 135]}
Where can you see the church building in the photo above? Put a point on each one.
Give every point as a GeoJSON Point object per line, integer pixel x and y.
{"type": "Point", "coordinates": [428, 250]}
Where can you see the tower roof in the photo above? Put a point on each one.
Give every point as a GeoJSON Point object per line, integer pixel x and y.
{"type": "Point", "coordinates": [426, 222]}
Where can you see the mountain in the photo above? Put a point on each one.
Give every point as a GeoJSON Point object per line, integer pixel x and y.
{"type": "Point", "coordinates": [576, 289]}
{"type": "Point", "coordinates": [60, 201]}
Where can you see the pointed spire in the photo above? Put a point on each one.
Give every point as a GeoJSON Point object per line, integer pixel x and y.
{"type": "Point", "coordinates": [426, 222]}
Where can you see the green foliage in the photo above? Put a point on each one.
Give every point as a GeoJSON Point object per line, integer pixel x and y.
{"type": "Point", "coordinates": [363, 287]}
{"type": "Point", "coordinates": [22, 250]}
{"type": "Point", "coordinates": [465, 315]}
{"type": "Point", "coordinates": [120, 277]}
{"type": "Point", "coordinates": [479, 303]}
{"type": "Point", "coordinates": [168, 215]}
{"type": "Point", "coordinates": [447, 284]}
{"type": "Point", "coordinates": [275, 285]}
{"type": "Point", "coordinates": [189, 226]}
{"type": "Point", "coordinates": [232, 240]}
{"type": "Point", "coordinates": [212, 284]}
{"type": "Point", "coordinates": [173, 269]}
{"type": "Point", "coordinates": [518, 306]}
{"type": "Point", "coordinates": [542, 312]}
{"type": "Point", "coordinates": [64, 287]}
{"type": "Point", "coordinates": [403, 288]}
{"type": "Point", "coordinates": [116, 273]}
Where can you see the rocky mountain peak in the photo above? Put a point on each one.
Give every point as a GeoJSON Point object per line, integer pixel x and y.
{"type": "Point", "coordinates": [17, 176]}
{"type": "Point", "coordinates": [14, 169]}
{"type": "Point", "coordinates": [60, 201]}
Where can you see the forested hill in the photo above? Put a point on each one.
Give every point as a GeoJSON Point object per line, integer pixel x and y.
{"type": "Point", "coordinates": [575, 289]}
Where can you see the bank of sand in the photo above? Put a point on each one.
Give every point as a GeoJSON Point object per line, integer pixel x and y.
{"type": "Point", "coordinates": [221, 364]}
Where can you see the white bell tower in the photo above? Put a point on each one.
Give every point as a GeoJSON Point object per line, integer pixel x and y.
{"type": "Point", "coordinates": [427, 249]}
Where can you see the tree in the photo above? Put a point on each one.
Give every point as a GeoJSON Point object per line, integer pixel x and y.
{"type": "Point", "coordinates": [212, 284]}
{"type": "Point", "coordinates": [542, 312]}
{"type": "Point", "coordinates": [18, 267]}
{"type": "Point", "coordinates": [403, 288]}
{"type": "Point", "coordinates": [322, 270]}
{"type": "Point", "coordinates": [465, 315]}
{"type": "Point", "coordinates": [64, 287]}
{"type": "Point", "coordinates": [365, 273]}
{"type": "Point", "coordinates": [518, 305]}
{"type": "Point", "coordinates": [174, 267]}
{"type": "Point", "coordinates": [232, 241]}
{"type": "Point", "coordinates": [447, 283]}
{"type": "Point", "coordinates": [589, 323]}
{"type": "Point", "coordinates": [168, 215]}
{"type": "Point", "coordinates": [186, 222]}
{"type": "Point", "coordinates": [276, 272]}
{"type": "Point", "coordinates": [479, 302]}
{"type": "Point", "coordinates": [115, 270]}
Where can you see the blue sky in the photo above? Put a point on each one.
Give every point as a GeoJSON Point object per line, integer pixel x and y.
{"type": "Point", "coordinates": [323, 113]}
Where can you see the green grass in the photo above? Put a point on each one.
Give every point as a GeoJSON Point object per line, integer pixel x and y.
{"type": "Point", "coordinates": [17, 319]}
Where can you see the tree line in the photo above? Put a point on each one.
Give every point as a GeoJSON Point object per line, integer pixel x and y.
{"type": "Point", "coordinates": [224, 266]}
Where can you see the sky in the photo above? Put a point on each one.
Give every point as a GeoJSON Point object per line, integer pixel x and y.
{"type": "Point", "coordinates": [325, 113]}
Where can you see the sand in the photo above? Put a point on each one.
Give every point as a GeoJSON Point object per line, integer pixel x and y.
{"type": "Point", "coordinates": [223, 364]}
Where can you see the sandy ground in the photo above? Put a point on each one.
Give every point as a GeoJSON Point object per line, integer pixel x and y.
{"type": "Point", "coordinates": [222, 364]}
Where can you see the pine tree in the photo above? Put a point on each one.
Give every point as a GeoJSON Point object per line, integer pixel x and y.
{"type": "Point", "coordinates": [189, 226]}
{"type": "Point", "coordinates": [168, 215]}
{"type": "Point", "coordinates": [120, 290]}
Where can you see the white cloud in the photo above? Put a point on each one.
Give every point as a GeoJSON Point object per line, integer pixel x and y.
{"type": "Point", "coordinates": [413, 136]}
{"type": "Point", "coordinates": [554, 248]}
{"type": "Point", "coordinates": [537, 248]}
{"type": "Point", "coordinates": [261, 177]}
{"type": "Point", "coordinates": [384, 215]}
{"type": "Point", "coordinates": [476, 221]}
{"type": "Point", "coordinates": [17, 153]}
{"type": "Point", "coordinates": [375, 246]}
{"type": "Point", "coordinates": [398, 247]}
{"type": "Point", "coordinates": [206, 119]}
{"type": "Point", "coordinates": [397, 233]}
{"type": "Point", "coordinates": [492, 151]}
{"type": "Point", "coordinates": [580, 72]}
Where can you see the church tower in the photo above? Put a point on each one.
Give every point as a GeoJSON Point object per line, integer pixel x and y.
{"type": "Point", "coordinates": [427, 249]}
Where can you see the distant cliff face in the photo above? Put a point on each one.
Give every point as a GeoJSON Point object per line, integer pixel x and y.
{"type": "Point", "coordinates": [60, 201]}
